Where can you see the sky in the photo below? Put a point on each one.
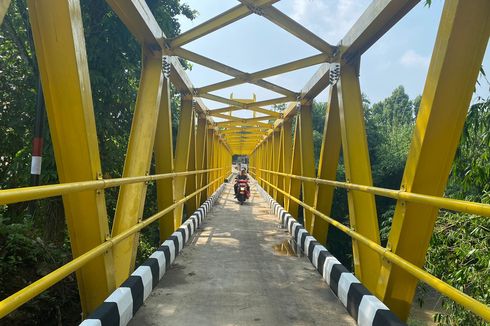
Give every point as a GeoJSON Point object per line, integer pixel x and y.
{"type": "Point", "coordinates": [400, 57]}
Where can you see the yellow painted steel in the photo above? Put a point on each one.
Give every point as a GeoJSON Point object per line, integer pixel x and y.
{"type": "Point", "coordinates": [276, 143]}
{"type": "Point", "coordinates": [60, 50]}
{"type": "Point", "coordinates": [281, 167]}
{"type": "Point", "coordinates": [182, 150]}
{"type": "Point", "coordinates": [191, 183]}
{"type": "Point", "coordinates": [362, 207]}
{"type": "Point", "coordinates": [327, 165]}
{"type": "Point", "coordinates": [458, 296]}
{"type": "Point", "coordinates": [131, 199]}
{"type": "Point", "coordinates": [287, 154]}
{"type": "Point", "coordinates": [458, 53]}
{"type": "Point", "coordinates": [34, 289]}
{"type": "Point", "coordinates": [4, 6]}
{"type": "Point", "coordinates": [307, 159]}
{"type": "Point", "coordinates": [164, 162]}
{"type": "Point", "coordinates": [202, 127]}
{"type": "Point", "coordinates": [294, 187]}
{"type": "Point", "coordinates": [287, 67]}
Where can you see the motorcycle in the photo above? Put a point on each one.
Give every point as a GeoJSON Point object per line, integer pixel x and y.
{"type": "Point", "coordinates": [242, 192]}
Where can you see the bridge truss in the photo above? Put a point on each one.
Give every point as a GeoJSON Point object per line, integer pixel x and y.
{"type": "Point", "coordinates": [104, 259]}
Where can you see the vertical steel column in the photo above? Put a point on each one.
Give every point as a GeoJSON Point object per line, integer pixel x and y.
{"type": "Point", "coordinates": [458, 52]}
{"type": "Point", "coordinates": [131, 199]}
{"type": "Point", "coordinates": [209, 159]}
{"type": "Point", "coordinates": [164, 162]}
{"type": "Point", "coordinates": [279, 167]}
{"type": "Point", "coordinates": [202, 125]}
{"type": "Point", "coordinates": [276, 142]}
{"type": "Point", "coordinates": [182, 151]}
{"type": "Point", "coordinates": [191, 183]}
{"type": "Point", "coordinates": [287, 154]}
{"type": "Point", "coordinates": [307, 160]}
{"type": "Point", "coordinates": [327, 166]}
{"type": "Point", "coordinates": [60, 50]}
{"type": "Point", "coordinates": [295, 184]}
{"type": "Point", "coordinates": [362, 207]}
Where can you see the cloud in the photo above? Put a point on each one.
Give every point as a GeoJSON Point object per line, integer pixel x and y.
{"type": "Point", "coordinates": [412, 59]}
{"type": "Point", "coordinates": [330, 19]}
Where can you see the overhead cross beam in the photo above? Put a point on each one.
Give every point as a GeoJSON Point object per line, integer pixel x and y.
{"type": "Point", "coordinates": [290, 25]}
{"type": "Point", "coordinates": [280, 69]}
{"type": "Point", "coordinates": [218, 66]}
{"type": "Point", "coordinates": [234, 108]}
{"type": "Point", "coordinates": [226, 18]}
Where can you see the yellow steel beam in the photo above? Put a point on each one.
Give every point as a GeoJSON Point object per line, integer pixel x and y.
{"type": "Point", "coordinates": [317, 83]}
{"type": "Point", "coordinates": [60, 50]}
{"type": "Point", "coordinates": [215, 23]}
{"type": "Point", "coordinates": [191, 183]}
{"type": "Point", "coordinates": [244, 123]}
{"type": "Point", "coordinates": [182, 150]}
{"type": "Point", "coordinates": [209, 156]}
{"type": "Point", "coordinates": [202, 127]}
{"type": "Point", "coordinates": [280, 167]}
{"type": "Point", "coordinates": [218, 66]}
{"type": "Point", "coordinates": [290, 25]}
{"type": "Point", "coordinates": [253, 109]}
{"type": "Point", "coordinates": [362, 207]}
{"type": "Point", "coordinates": [294, 187]}
{"type": "Point", "coordinates": [307, 160]}
{"type": "Point", "coordinates": [224, 100]}
{"type": "Point", "coordinates": [137, 17]}
{"type": "Point", "coordinates": [164, 162]}
{"type": "Point", "coordinates": [278, 100]}
{"type": "Point", "coordinates": [276, 143]}
{"type": "Point", "coordinates": [327, 166]}
{"type": "Point", "coordinates": [375, 21]}
{"type": "Point", "coordinates": [131, 199]}
{"type": "Point", "coordinates": [458, 52]}
{"type": "Point", "coordinates": [4, 6]}
{"type": "Point", "coordinates": [280, 69]}
{"type": "Point", "coordinates": [287, 129]}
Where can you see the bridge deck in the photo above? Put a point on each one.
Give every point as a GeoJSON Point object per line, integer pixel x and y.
{"type": "Point", "coordinates": [239, 270]}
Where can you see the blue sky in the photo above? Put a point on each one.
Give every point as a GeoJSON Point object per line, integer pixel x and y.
{"type": "Point", "coordinates": [400, 57]}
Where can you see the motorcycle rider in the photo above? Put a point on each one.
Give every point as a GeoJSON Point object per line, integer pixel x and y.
{"type": "Point", "coordinates": [241, 176]}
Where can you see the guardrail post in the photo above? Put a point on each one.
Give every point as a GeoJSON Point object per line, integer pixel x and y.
{"type": "Point", "coordinates": [458, 52]}
{"type": "Point", "coordinates": [362, 207]}
{"type": "Point", "coordinates": [60, 50]}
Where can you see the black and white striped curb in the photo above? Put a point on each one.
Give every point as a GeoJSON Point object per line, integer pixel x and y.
{"type": "Point", "coordinates": [364, 307]}
{"type": "Point", "coordinates": [122, 304]}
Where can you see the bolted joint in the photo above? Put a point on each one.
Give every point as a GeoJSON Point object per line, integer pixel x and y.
{"type": "Point", "coordinates": [166, 66]}
{"type": "Point", "coordinates": [334, 73]}
{"type": "Point", "coordinates": [254, 9]}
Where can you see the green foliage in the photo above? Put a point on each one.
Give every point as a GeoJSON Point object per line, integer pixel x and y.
{"type": "Point", "coordinates": [460, 255]}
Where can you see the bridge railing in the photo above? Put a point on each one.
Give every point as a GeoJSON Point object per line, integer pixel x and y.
{"type": "Point", "coordinates": [10, 196]}
{"type": "Point", "coordinates": [444, 288]}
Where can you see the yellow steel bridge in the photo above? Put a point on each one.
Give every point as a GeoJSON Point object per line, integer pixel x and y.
{"type": "Point", "coordinates": [190, 174]}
